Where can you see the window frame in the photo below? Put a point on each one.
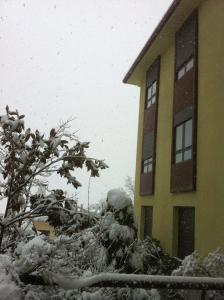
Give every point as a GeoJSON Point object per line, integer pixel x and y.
{"type": "Point", "coordinates": [148, 164]}
{"type": "Point", "coordinates": [152, 99]}
{"type": "Point", "coordinates": [183, 148]}
{"type": "Point", "coordinates": [184, 68]}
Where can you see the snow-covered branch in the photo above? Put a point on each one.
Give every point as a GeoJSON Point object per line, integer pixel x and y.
{"type": "Point", "coordinates": [137, 281]}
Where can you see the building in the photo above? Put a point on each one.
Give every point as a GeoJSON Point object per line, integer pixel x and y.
{"type": "Point", "coordinates": [44, 227]}
{"type": "Point", "coordinates": [179, 196]}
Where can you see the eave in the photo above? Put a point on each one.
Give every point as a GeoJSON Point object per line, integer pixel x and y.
{"type": "Point", "coordinates": [161, 38]}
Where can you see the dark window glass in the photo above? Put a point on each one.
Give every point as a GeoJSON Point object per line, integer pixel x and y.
{"type": "Point", "coordinates": [183, 141]}
{"type": "Point", "coordinates": [186, 224]}
{"type": "Point", "coordinates": [147, 217]}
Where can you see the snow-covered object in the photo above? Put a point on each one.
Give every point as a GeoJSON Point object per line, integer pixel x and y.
{"type": "Point", "coordinates": [14, 124]}
{"type": "Point", "coordinates": [31, 254]}
{"type": "Point", "coordinates": [210, 266]}
{"type": "Point", "coordinates": [192, 265]}
{"type": "Point", "coordinates": [118, 199]}
{"type": "Point", "coordinates": [26, 229]}
{"type": "Point", "coordinates": [118, 227]}
{"type": "Point", "coordinates": [195, 265]}
{"type": "Point", "coordinates": [9, 280]}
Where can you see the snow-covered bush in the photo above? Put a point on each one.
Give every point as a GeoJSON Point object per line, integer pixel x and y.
{"type": "Point", "coordinates": [148, 257]}
{"type": "Point", "coordinates": [118, 228]}
{"type": "Point", "coordinates": [30, 255]}
{"type": "Point", "coordinates": [9, 280]}
{"type": "Point", "coordinates": [198, 266]}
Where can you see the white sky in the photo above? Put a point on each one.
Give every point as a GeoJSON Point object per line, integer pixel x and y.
{"type": "Point", "coordinates": [67, 58]}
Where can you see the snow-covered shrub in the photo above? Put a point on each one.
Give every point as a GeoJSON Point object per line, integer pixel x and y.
{"type": "Point", "coordinates": [9, 280]}
{"type": "Point", "coordinates": [198, 266]}
{"type": "Point", "coordinates": [192, 265]}
{"type": "Point", "coordinates": [148, 257]}
{"type": "Point", "coordinates": [30, 255]}
{"type": "Point", "coordinates": [118, 228]}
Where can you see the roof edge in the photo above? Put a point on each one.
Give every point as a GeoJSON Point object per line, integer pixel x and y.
{"type": "Point", "coordinates": [154, 35]}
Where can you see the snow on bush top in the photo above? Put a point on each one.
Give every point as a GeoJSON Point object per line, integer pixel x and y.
{"type": "Point", "coordinates": [118, 199]}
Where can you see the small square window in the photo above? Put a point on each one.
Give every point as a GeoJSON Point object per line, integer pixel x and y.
{"type": "Point", "coordinates": [185, 68]}
{"type": "Point", "coordinates": [188, 154]}
{"type": "Point", "coordinates": [178, 157]}
{"type": "Point", "coordinates": [190, 65]}
{"type": "Point", "coordinates": [181, 73]}
{"type": "Point", "coordinates": [151, 94]}
{"type": "Point", "coordinates": [153, 100]}
{"type": "Point", "coordinates": [147, 165]}
{"type": "Point", "coordinates": [154, 87]}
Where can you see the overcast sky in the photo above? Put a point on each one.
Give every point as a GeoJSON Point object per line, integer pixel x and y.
{"type": "Point", "coordinates": [67, 58]}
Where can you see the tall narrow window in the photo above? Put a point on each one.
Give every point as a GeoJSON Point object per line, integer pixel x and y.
{"type": "Point", "coordinates": [147, 212]}
{"type": "Point", "coordinates": [186, 228]}
{"type": "Point", "coordinates": [183, 141]}
{"type": "Point", "coordinates": [184, 147]}
{"type": "Point", "coordinates": [148, 159]}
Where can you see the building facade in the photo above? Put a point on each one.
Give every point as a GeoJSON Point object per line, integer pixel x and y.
{"type": "Point", "coordinates": [179, 184]}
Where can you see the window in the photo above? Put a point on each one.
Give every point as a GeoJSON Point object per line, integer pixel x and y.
{"type": "Point", "coordinates": [147, 165]}
{"type": "Point", "coordinates": [185, 231]}
{"type": "Point", "coordinates": [147, 212]}
{"type": "Point", "coordinates": [185, 68]}
{"type": "Point", "coordinates": [183, 141]}
{"type": "Point", "coordinates": [151, 94]}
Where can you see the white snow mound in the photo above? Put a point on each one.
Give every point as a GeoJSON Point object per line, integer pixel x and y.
{"type": "Point", "coordinates": [118, 199]}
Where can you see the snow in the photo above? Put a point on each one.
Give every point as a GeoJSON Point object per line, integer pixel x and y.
{"type": "Point", "coordinates": [118, 199]}
{"type": "Point", "coordinates": [136, 260]}
{"type": "Point", "coordinates": [14, 124]}
{"type": "Point", "coordinates": [8, 280]}
{"type": "Point", "coordinates": [41, 219]}
{"type": "Point", "coordinates": [92, 296]}
{"type": "Point", "coordinates": [26, 229]}
{"type": "Point", "coordinates": [31, 254]}
{"type": "Point", "coordinates": [130, 280]}
{"type": "Point", "coordinates": [121, 232]}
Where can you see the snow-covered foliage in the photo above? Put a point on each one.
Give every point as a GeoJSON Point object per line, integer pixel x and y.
{"type": "Point", "coordinates": [198, 266]}
{"type": "Point", "coordinates": [148, 257]}
{"type": "Point", "coordinates": [81, 253]}
{"type": "Point", "coordinates": [86, 243]}
{"type": "Point", "coordinates": [27, 159]}
{"type": "Point", "coordinates": [32, 254]}
{"type": "Point", "coordinates": [118, 228]}
{"type": "Point", "coordinates": [9, 280]}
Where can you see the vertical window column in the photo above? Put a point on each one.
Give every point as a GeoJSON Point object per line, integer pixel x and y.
{"type": "Point", "coordinates": [183, 170]}
{"type": "Point", "coordinates": [149, 130]}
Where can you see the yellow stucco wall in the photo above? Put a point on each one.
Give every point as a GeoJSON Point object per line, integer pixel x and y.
{"type": "Point", "coordinates": [208, 200]}
{"type": "Point", "coordinates": [45, 226]}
